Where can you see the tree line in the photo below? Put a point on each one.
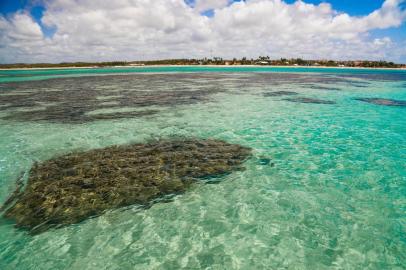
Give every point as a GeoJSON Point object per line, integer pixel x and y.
{"type": "Point", "coordinates": [261, 60]}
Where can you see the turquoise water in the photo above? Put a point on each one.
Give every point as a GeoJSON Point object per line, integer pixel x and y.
{"type": "Point", "coordinates": [40, 74]}
{"type": "Point", "coordinates": [335, 197]}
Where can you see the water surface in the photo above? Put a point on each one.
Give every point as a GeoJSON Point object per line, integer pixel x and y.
{"type": "Point", "coordinates": [332, 196]}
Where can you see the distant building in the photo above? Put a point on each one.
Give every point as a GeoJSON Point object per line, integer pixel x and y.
{"type": "Point", "coordinates": [357, 63]}
{"type": "Point", "coordinates": [263, 62]}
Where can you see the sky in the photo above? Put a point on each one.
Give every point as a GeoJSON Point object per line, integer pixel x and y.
{"type": "Point", "coordinates": [33, 31]}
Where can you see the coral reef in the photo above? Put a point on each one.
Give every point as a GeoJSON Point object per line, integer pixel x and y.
{"type": "Point", "coordinates": [84, 99]}
{"type": "Point", "coordinates": [68, 189]}
{"type": "Point", "coordinates": [310, 100]}
{"type": "Point", "coordinates": [280, 93]}
{"type": "Point", "coordinates": [384, 101]}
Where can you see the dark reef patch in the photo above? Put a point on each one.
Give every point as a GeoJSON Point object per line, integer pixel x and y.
{"type": "Point", "coordinates": [68, 189]}
{"type": "Point", "coordinates": [264, 161]}
{"type": "Point", "coordinates": [393, 76]}
{"type": "Point", "coordinates": [280, 93]}
{"type": "Point", "coordinates": [384, 101]}
{"type": "Point", "coordinates": [359, 85]}
{"type": "Point", "coordinates": [309, 100]}
{"type": "Point", "coordinates": [296, 78]}
{"type": "Point", "coordinates": [75, 100]}
{"type": "Point", "coordinates": [72, 100]}
{"type": "Point", "coordinates": [324, 88]}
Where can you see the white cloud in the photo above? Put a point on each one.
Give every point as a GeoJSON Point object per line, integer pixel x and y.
{"type": "Point", "coordinates": [204, 5]}
{"type": "Point", "coordinates": [386, 41]}
{"type": "Point", "coordinates": [89, 30]}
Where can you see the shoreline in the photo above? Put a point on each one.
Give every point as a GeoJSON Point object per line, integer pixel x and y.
{"type": "Point", "coordinates": [211, 66]}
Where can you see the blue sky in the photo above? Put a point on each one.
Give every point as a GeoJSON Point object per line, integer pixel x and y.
{"type": "Point", "coordinates": [352, 7]}
{"type": "Point", "coordinates": [53, 22]}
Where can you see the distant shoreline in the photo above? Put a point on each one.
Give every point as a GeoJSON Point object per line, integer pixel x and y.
{"type": "Point", "coordinates": [222, 66]}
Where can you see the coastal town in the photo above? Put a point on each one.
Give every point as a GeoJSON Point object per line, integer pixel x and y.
{"type": "Point", "coordinates": [267, 61]}
{"type": "Point", "coordinates": [261, 60]}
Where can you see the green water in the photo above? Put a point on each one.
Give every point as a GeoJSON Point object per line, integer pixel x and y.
{"type": "Point", "coordinates": [334, 199]}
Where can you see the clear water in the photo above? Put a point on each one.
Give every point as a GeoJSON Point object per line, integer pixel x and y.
{"type": "Point", "coordinates": [40, 74]}
{"type": "Point", "coordinates": [334, 199]}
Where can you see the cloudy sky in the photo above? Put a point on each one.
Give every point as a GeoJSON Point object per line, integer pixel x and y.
{"type": "Point", "coordinates": [104, 30]}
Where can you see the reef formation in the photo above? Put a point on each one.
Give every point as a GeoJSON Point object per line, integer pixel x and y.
{"type": "Point", "coordinates": [87, 99]}
{"type": "Point", "coordinates": [79, 100]}
{"type": "Point", "coordinates": [384, 101]}
{"type": "Point", "coordinates": [309, 100]}
{"type": "Point", "coordinates": [68, 189]}
{"type": "Point", "coordinates": [319, 87]}
{"type": "Point", "coordinates": [280, 93]}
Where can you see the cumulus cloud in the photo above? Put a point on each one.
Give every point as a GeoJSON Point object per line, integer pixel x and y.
{"type": "Point", "coordinates": [89, 30]}
{"type": "Point", "coordinates": [204, 5]}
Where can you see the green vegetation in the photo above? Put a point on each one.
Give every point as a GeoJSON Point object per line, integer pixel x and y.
{"type": "Point", "coordinates": [261, 60]}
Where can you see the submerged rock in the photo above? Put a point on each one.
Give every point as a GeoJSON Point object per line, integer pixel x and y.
{"type": "Point", "coordinates": [68, 189]}
{"type": "Point", "coordinates": [86, 99]}
{"type": "Point", "coordinates": [78, 100]}
{"type": "Point", "coordinates": [310, 100]}
{"type": "Point", "coordinates": [319, 87]}
{"type": "Point", "coordinates": [384, 101]}
{"type": "Point", "coordinates": [280, 93]}
{"type": "Point", "coordinates": [264, 161]}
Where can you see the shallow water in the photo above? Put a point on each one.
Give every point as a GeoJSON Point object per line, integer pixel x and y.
{"type": "Point", "coordinates": [333, 195]}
